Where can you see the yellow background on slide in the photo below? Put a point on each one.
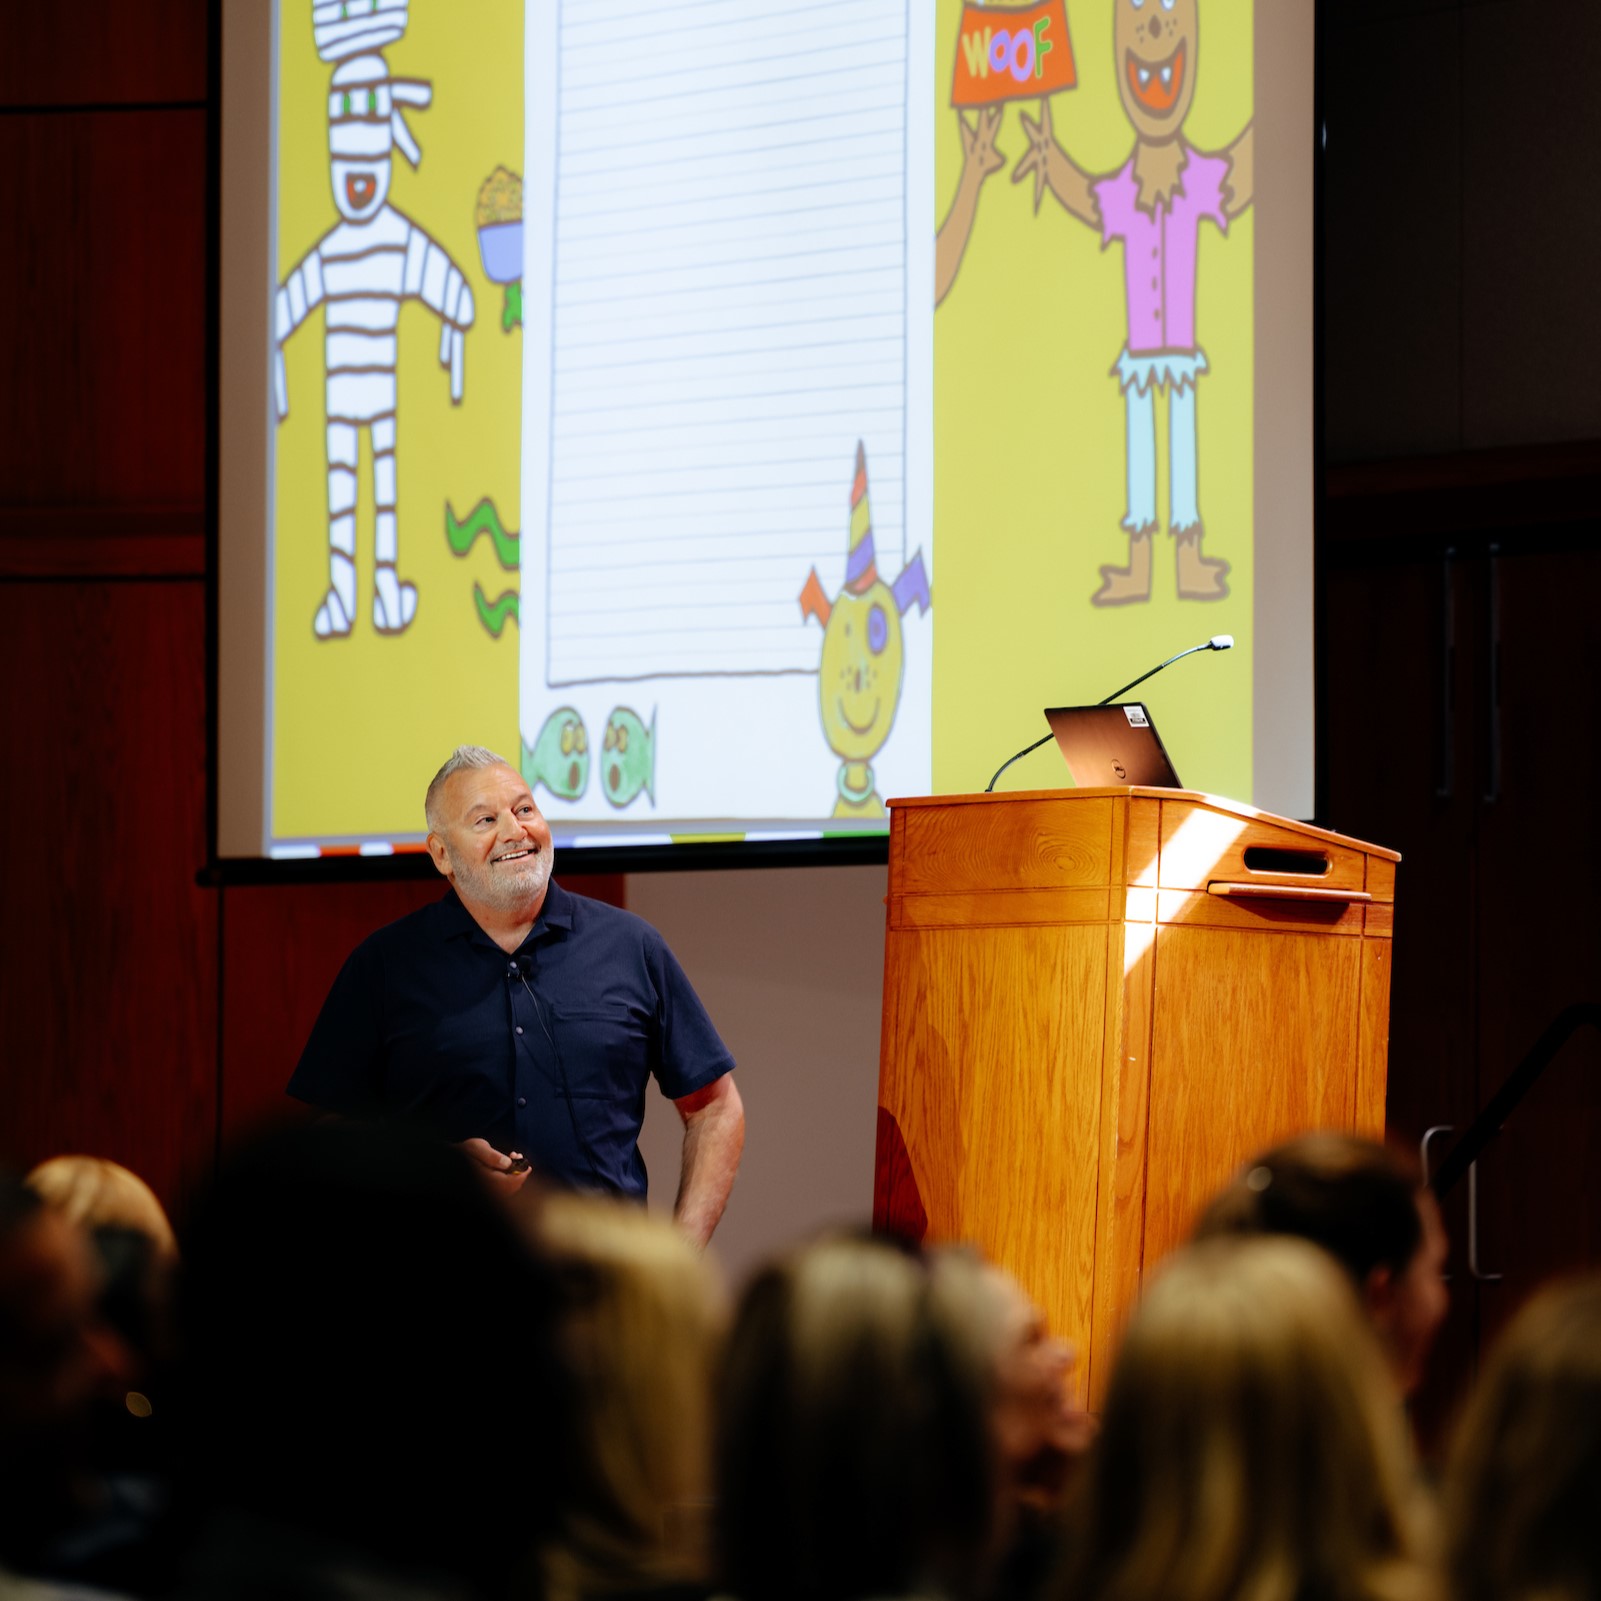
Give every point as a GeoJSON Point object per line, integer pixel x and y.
{"type": "Point", "coordinates": [1029, 479]}
{"type": "Point", "coordinates": [360, 724]}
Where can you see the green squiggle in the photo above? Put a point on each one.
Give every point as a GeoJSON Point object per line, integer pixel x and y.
{"type": "Point", "coordinates": [493, 614]}
{"type": "Point", "coordinates": [483, 520]}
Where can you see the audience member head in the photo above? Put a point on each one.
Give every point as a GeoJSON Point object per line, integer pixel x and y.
{"type": "Point", "coordinates": [855, 1456]}
{"type": "Point", "coordinates": [56, 1360]}
{"type": "Point", "coordinates": [1250, 1445]}
{"type": "Point", "coordinates": [1523, 1493]}
{"type": "Point", "coordinates": [95, 1194]}
{"type": "Point", "coordinates": [371, 1345]}
{"type": "Point", "coordinates": [1037, 1429]}
{"type": "Point", "coordinates": [644, 1319]}
{"type": "Point", "coordinates": [137, 1249]}
{"type": "Point", "coordinates": [1366, 1205]}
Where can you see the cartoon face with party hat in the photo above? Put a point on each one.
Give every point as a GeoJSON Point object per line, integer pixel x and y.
{"type": "Point", "coordinates": [859, 676]}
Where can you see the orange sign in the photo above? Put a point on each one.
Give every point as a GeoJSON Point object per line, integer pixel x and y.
{"type": "Point", "coordinates": [1012, 53]}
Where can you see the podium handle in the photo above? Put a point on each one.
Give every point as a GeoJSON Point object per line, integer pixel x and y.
{"type": "Point", "coordinates": [1287, 892]}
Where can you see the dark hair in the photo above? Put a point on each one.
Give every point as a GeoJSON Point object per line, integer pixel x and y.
{"type": "Point", "coordinates": [853, 1455]}
{"type": "Point", "coordinates": [1355, 1197]}
{"type": "Point", "coordinates": [372, 1351]}
{"type": "Point", "coordinates": [1525, 1475]}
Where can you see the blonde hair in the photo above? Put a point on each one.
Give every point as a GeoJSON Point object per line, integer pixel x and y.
{"type": "Point", "coordinates": [1524, 1485]}
{"type": "Point", "coordinates": [643, 1329]}
{"type": "Point", "coordinates": [1251, 1448]}
{"type": "Point", "coordinates": [854, 1449]}
{"type": "Point", "coordinates": [94, 1193]}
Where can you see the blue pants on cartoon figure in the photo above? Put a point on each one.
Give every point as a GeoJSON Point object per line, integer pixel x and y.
{"type": "Point", "coordinates": [1140, 378]}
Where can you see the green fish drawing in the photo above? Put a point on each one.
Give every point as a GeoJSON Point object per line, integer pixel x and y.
{"type": "Point", "coordinates": [560, 756]}
{"type": "Point", "coordinates": [628, 763]}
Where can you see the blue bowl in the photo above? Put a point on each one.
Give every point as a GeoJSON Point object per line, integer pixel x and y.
{"type": "Point", "coordinates": [501, 246]}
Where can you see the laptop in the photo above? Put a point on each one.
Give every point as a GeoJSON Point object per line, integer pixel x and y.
{"type": "Point", "coordinates": [1110, 745]}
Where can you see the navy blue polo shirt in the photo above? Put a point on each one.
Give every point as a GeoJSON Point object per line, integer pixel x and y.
{"type": "Point", "coordinates": [546, 1052]}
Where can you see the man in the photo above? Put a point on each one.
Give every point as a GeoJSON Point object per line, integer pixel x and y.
{"type": "Point", "coordinates": [513, 1017]}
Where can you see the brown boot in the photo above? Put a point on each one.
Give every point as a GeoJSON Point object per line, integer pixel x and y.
{"type": "Point", "coordinates": [1124, 586]}
{"type": "Point", "coordinates": [1200, 577]}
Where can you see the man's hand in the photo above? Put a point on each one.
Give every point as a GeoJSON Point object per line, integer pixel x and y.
{"type": "Point", "coordinates": [714, 1136]}
{"type": "Point", "coordinates": [507, 1174]}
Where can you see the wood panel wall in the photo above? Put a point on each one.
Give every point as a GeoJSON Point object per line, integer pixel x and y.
{"type": "Point", "coordinates": [142, 1016]}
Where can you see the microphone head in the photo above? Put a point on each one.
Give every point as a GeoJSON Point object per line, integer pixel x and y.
{"type": "Point", "coordinates": [1220, 642]}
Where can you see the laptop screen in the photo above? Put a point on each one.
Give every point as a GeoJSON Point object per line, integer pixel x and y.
{"type": "Point", "coordinates": [1105, 746]}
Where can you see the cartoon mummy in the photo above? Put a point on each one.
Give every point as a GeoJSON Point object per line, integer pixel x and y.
{"type": "Point", "coordinates": [360, 272]}
{"type": "Point", "coordinates": [345, 28]}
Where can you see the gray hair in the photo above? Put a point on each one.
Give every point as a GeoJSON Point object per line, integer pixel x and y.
{"type": "Point", "coordinates": [461, 758]}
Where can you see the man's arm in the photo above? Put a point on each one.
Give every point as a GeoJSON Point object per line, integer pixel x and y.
{"type": "Point", "coordinates": [340, 1071]}
{"type": "Point", "coordinates": [714, 1136]}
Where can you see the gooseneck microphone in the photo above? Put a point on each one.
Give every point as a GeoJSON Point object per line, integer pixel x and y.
{"type": "Point", "coordinates": [1216, 642]}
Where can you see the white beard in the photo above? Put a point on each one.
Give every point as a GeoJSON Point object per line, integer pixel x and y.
{"type": "Point", "coordinates": [504, 886]}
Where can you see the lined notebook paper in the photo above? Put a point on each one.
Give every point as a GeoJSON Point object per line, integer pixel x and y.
{"type": "Point", "coordinates": [729, 316]}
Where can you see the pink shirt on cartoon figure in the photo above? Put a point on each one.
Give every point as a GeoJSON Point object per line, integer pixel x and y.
{"type": "Point", "coordinates": [1159, 248]}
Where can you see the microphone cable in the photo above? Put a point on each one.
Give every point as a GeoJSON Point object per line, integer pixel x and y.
{"type": "Point", "coordinates": [1216, 642]}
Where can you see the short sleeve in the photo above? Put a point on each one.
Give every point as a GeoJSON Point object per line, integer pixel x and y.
{"type": "Point", "coordinates": [341, 1068]}
{"type": "Point", "coordinates": [689, 1052]}
{"type": "Point", "coordinates": [1114, 198]}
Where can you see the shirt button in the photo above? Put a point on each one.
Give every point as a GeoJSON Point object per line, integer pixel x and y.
{"type": "Point", "coordinates": [519, 1028]}
{"type": "Point", "coordinates": [522, 1100]}
{"type": "Point", "coordinates": [511, 970]}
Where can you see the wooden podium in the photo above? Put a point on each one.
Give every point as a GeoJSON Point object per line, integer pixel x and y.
{"type": "Point", "coordinates": [1097, 1004]}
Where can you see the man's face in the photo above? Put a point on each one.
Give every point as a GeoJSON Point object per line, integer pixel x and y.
{"type": "Point", "coordinates": [491, 841]}
{"type": "Point", "coordinates": [1155, 42]}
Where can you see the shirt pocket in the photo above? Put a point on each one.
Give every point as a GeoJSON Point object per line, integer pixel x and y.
{"type": "Point", "coordinates": [604, 1055]}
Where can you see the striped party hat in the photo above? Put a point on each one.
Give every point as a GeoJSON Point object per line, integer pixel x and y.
{"type": "Point", "coordinates": [861, 570]}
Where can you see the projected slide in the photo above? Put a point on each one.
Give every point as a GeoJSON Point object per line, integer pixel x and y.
{"type": "Point", "coordinates": [738, 414]}
{"type": "Point", "coordinates": [1094, 374]}
{"type": "Point", "coordinates": [728, 554]}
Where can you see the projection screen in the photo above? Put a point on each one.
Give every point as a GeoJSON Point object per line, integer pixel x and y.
{"type": "Point", "coordinates": [739, 414]}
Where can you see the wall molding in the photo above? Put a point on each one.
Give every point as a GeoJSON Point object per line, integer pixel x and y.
{"type": "Point", "coordinates": [84, 543]}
